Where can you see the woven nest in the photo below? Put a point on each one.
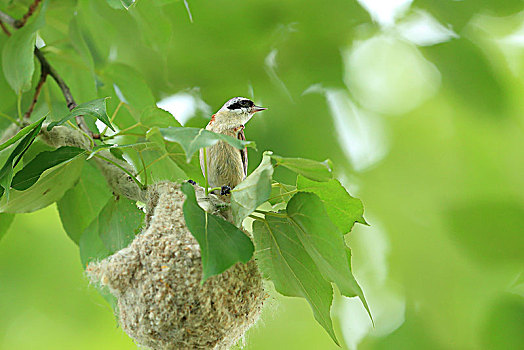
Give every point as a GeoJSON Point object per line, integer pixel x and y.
{"type": "Point", "coordinates": [156, 279]}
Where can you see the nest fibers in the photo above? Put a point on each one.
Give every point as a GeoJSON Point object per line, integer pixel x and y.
{"type": "Point", "coordinates": [161, 302]}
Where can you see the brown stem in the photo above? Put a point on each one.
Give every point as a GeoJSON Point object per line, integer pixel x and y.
{"type": "Point", "coordinates": [71, 104]}
{"type": "Point", "coordinates": [43, 76]}
{"type": "Point", "coordinates": [4, 28]}
{"type": "Point", "coordinates": [21, 22]}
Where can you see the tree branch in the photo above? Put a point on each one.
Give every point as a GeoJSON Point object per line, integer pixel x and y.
{"type": "Point", "coordinates": [46, 67]}
{"type": "Point", "coordinates": [21, 22]}
{"type": "Point", "coordinates": [43, 76]}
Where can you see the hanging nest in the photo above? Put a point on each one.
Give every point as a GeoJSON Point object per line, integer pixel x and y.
{"type": "Point", "coordinates": [157, 281]}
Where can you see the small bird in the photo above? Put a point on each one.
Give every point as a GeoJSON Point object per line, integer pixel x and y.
{"type": "Point", "coordinates": [227, 165]}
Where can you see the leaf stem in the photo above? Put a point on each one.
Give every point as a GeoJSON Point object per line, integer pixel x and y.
{"type": "Point", "coordinates": [257, 218]}
{"type": "Point", "coordinates": [112, 117]}
{"type": "Point", "coordinates": [283, 194]}
{"type": "Point", "coordinates": [19, 106]}
{"type": "Point", "coordinates": [8, 117]}
{"type": "Point", "coordinates": [142, 187]}
{"type": "Point", "coordinates": [205, 172]}
{"type": "Point", "coordinates": [270, 213]}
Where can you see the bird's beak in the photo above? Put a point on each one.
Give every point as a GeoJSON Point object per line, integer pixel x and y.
{"type": "Point", "coordinates": [258, 109]}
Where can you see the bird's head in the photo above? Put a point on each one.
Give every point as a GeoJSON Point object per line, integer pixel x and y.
{"type": "Point", "coordinates": [237, 111]}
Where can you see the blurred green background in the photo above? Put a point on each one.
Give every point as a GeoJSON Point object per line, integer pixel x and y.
{"type": "Point", "coordinates": [419, 104]}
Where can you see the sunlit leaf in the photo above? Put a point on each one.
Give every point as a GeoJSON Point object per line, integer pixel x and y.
{"type": "Point", "coordinates": [31, 172]}
{"type": "Point", "coordinates": [95, 108]}
{"type": "Point", "coordinates": [18, 54]}
{"type": "Point", "coordinates": [48, 189]}
{"type": "Point", "coordinates": [313, 170]}
{"type": "Point", "coordinates": [324, 242]}
{"type": "Point", "coordinates": [26, 130]}
{"type": "Point", "coordinates": [176, 153]}
{"type": "Point", "coordinates": [157, 117]}
{"type": "Point", "coordinates": [221, 243]}
{"type": "Point", "coordinates": [252, 192]}
{"type": "Point", "coordinates": [6, 172]}
{"type": "Point", "coordinates": [130, 86]}
{"type": "Point", "coordinates": [192, 139]}
{"type": "Point", "coordinates": [81, 204]}
{"type": "Point", "coordinates": [118, 223]}
{"type": "Point", "coordinates": [137, 145]}
{"type": "Point", "coordinates": [284, 260]}
{"type": "Point", "coordinates": [281, 193]}
{"type": "Point", "coordinates": [343, 209]}
{"type": "Point", "coordinates": [77, 40]}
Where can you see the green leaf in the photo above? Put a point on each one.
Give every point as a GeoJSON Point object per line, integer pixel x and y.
{"type": "Point", "coordinates": [5, 222]}
{"type": "Point", "coordinates": [18, 54]}
{"type": "Point", "coordinates": [118, 223]}
{"type": "Point", "coordinates": [130, 86]}
{"type": "Point", "coordinates": [136, 145]}
{"type": "Point", "coordinates": [313, 170]}
{"type": "Point", "coordinates": [192, 139]}
{"type": "Point", "coordinates": [283, 259]}
{"type": "Point", "coordinates": [95, 108]}
{"type": "Point", "coordinates": [176, 154]}
{"type": "Point", "coordinates": [93, 249]}
{"type": "Point", "coordinates": [20, 134]}
{"type": "Point", "coordinates": [323, 242]}
{"type": "Point", "coordinates": [157, 117]}
{"type": "Point", "coordinates": [6, 172]}
{"type": "Point", "coordinates": [48, 189]}
{"type": "Point", "coordinates": [77, 40]}
{"type": "Point", "coordinates": [281, 193]}
{"type": "Point", "coordinates": [343, 209]}
{"type": "Point", "coordinates": [221, 243]}
{"type": "Point", "coordinates": [30, 174]}
{"type": "Point", "coordinates": [91, 246]}
{"type": "Point", "coordinates": [81, 204]}
{"type": "Point", "coordinates": [253, 191]}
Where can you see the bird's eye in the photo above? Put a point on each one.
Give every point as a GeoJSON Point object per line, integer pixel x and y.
{"type": "Point", "coordinates": [246, 103]}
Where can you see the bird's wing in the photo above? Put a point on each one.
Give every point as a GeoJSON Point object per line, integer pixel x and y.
{"type": "Point", "coordinates": [243, 152]}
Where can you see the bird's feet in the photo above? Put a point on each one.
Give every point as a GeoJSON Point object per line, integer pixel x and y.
{"type": "Point", "coordinates": [225, 190]}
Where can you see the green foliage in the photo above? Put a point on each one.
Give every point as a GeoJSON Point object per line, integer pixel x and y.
{"type": "Point", "coordinates": [81, 204]}
{"type": "Point", "coordinates": [31, 172]}
{"type": "Point", "coordinates": [26, 130]}
{"type": "Point", "coordinates": [302, 250]}
{"type": "Point", "coordinates": [6, 172]}
{"type": "Point", "coordinates": [192, 139]}
{"type": "Point", "coordinates": [313, 170]}
{"type": "Point", "coordinates": [343, 209]}
{"type": "Point", "coordinates": [95, 109]}
{"type": "Point", "coordinates": [118, 223]}
{"type": "Point", "coordinates": [49, 188]}
{"type": "Point", "coordinates": [17, 56]}
{"type": "Point", "coordinates": [253, 191]}
{"type": "Point", "coordinates": [283, 259]}
{"type": "Point", "coordinates": [221, 243]}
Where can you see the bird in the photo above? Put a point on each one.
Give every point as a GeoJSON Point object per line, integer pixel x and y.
{"type": "Point", "coordinates": [227, 165]}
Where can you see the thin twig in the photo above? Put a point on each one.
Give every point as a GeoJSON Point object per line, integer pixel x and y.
{"type": "Point", "coordinates": [71, 104]}
{"type": "Point", "coordinates": [21, 22]}
{"type": "Point", "coordinates": [43, 76]}
{"type": "Point", "coordinates": [4, 28]}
